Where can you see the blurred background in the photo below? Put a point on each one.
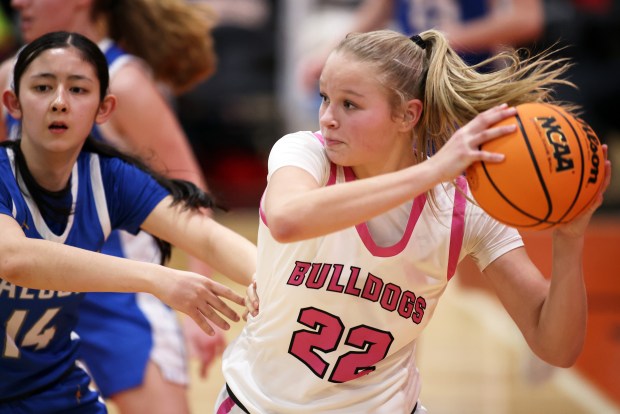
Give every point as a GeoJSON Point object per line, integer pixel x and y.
{"type": "Point", "coordinates": [472, 358]}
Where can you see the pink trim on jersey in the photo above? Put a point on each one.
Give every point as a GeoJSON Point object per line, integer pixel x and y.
{"type": "Point", "coordinates": [458, 225]}
{"type": "Point", "coordinates": [362, 228]}
{"type": "Point", "coordinates": [261, 212]}
{"type": "Point", "coordinates": [226, 406]}
{"type": "Point", "coordinates": [380, 251]}
{"type": "Point", "coordinates": [349, 175]}
{"type": "Point", "coordinates": [332, 174]}
{"type": "Point", "coordinates": [318, 136]}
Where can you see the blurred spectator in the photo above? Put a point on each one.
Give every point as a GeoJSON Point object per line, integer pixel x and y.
{"type": "Point", "coordinates": [231, 119]}
{"type": "Point", "coordinates": [476, 28]}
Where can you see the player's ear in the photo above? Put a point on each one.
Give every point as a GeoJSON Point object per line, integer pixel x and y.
{"type": "Point", "coordinates": [11, 102]}
{"type": "Point", "coordinates": [412, 114]}
{"type": "Point", "coordinates": [106, 107]}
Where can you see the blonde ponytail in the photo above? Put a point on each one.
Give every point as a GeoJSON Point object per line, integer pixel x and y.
{"type": "Point", "coordinates": [456, 92]}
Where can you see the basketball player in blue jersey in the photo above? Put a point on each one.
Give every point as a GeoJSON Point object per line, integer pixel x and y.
{"type": "Point", "coordinates": [361, 229]}
{"type": "Point", "coordinates": [133, 344]}
{"type": "Point", "coordinates": [61, 195]}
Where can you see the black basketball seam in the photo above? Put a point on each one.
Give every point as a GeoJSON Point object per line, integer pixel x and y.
{"type": "Point", "coordinates": [582, 167]}
{"type": "Point", "coordinates": [541, 181]}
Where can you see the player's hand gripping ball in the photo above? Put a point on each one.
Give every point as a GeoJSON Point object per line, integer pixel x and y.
{"type": "Point", "coordinates": [552, 171]}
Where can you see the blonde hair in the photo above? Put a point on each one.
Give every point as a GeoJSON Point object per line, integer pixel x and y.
{"type": "Point", "coordinates": [452, 92]}
{"type": "Point", "coordinates": [172, 36]}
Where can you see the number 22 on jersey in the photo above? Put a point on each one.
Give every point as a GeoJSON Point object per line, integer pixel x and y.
{"type": "Point", "coordinates": [325, 333]}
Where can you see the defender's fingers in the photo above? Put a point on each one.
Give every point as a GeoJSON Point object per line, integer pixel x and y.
{"type": "Point", "coordinates": [222, 307]}
{"type": "Point", "coordinates": [212, 316]}
{"type": "Point", "coordinates": [200, 320]}
{"type": "Point", "coordinates": [226, 292]}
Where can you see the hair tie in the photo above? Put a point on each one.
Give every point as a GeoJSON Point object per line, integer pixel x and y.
{"type": "Point", "coordinates": [418, 41]}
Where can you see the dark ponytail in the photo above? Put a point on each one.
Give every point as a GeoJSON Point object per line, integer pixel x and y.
{"type": "Point", "coordinates": [182, 191]}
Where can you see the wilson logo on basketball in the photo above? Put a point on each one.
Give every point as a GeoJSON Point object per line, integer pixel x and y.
{"type": "Point", "coordinates": [557, 140]}
{"type": "Point", "coordinates": [594, 146]}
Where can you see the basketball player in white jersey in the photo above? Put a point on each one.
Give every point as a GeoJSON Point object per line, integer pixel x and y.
{"type": "Point", "coordinates": [362, 226]}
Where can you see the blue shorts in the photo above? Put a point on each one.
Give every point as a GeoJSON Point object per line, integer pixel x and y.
{"type": "Point", "coordinates": [121, 332]}
{"type": "Point", "coordinates": [70, 395]}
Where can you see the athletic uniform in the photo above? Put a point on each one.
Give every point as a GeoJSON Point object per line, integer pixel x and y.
{"type": "Point", "coordinates": [121, 332]}
{"type": "Point", "coordinates": [340, 314]}
{"type": "Point", "coordinates": [39, 353]}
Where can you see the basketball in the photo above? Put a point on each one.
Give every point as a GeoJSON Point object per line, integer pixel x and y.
{"type": "Point", "coordinates": [552, 170]}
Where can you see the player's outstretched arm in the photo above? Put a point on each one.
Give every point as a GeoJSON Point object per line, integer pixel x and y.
{"type": "Point", "coordinates": [41, 264]}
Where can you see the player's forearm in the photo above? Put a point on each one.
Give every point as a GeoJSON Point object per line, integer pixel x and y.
{"type": "Point", "coordinates": [564, 313]}
{"type": "Point", "coordinates": [179, 160]}
{"type": "Point", "coordinates": [41, 264]}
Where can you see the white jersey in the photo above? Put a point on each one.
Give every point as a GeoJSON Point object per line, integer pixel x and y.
{"type": "Point", "coordinates": [340, 314]}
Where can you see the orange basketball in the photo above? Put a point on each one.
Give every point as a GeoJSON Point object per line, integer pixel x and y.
{"type": "Point", "coordinates": [552, 171]}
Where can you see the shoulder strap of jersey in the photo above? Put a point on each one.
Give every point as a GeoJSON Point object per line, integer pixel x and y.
{"type": "Point", "coordinates": [11, 166]}
{"type": "Point", "coordinates": [116, 57]}
{"type": "Point", "coordinates": [458, 225]}
{"type": "Point", "coordinates": [99, 194]}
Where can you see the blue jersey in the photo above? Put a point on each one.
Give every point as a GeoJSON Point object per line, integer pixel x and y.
{"type": "Point", "coordinates": [106, 194]}
{"type": "Point", "coordinates": [116, 57]}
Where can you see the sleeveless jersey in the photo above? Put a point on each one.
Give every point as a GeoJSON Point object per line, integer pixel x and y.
{"type": "Point", "coordinates": [340, 314]}
{"type": "Point", "coordinates": [37, 325]}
